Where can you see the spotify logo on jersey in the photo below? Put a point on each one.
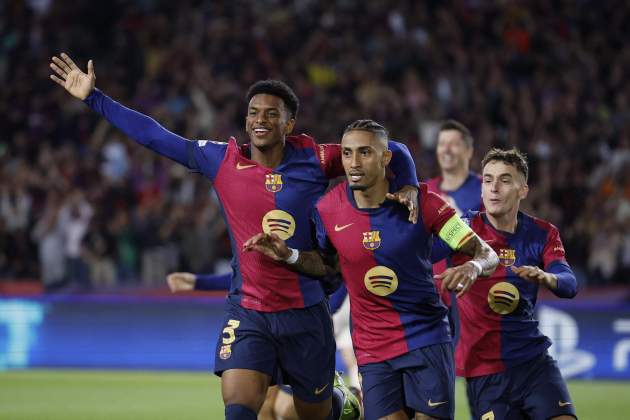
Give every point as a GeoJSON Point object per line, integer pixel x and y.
{"type": "Point", "coordinates": [381, 281]}
{"type": "Point", "coordinates": [503, 298]}
{"type": "Point", "coordinates": [279, 222]}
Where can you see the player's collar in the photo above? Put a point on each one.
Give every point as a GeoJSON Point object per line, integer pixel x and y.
{"type": "Point", "coordinates": [519, 224]}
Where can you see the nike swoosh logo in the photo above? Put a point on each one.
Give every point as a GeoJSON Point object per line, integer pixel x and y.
{"type": "Point", "coordinates": [320, 390]}
{"type": "Point", "coordinates": [340, 228]}
{"type": "Point", "coordinates": [562, 403]}
{"type": "Point", "coordinates": [239, 166]}
{"type": "Point", "coordinates": [435, 404]}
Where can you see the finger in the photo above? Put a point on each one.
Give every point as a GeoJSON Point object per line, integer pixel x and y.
{"type": "Point", "coordinates": [58, 61]}
{"type": "Point", "coordinates": [390, 196]}
{"type": "Point", "coordinates": [91, 68]}
{"type": "Point", "coordinates": [444, 283]}
{"type": "Point", "coordinates": [413, 213]}
{"type": "Point", "coordinates": [58, 80]}
{"type": "Point", "coordinates": [69, 61]}
{"type": "Point", "coordinates": [58, 70]}
{"type": "Point", "coordinates": [449, 282]}
{"type": "Point", "coordinates": [465, 287]}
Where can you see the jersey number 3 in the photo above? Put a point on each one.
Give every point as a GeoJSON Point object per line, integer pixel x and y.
{"type": "Point", "coordinates": [228, 332]}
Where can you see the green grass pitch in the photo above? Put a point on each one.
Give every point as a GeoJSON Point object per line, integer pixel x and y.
{"type": "Point", "coordinates": [95, 395]}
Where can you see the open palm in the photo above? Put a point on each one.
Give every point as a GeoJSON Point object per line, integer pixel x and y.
{"type": "Point", "coordinates": [69, 76]}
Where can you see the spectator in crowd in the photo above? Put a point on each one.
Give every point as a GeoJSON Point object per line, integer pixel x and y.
{"type": "Point", "coordinates": [550, 80]}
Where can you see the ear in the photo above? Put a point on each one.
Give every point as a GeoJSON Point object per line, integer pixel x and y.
{"type": "Point", "coordinates": [289, 125]}
{"type": "Point", "coordinates": [523, 191]}
{"type": "Point", "coordinates": [387, 157]}
{"type": "Point", "coordinates": [470, 152]}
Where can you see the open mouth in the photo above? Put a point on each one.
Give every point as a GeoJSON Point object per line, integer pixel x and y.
{"type": "Point", "coordinates": [356, 177]}
{"type": "Point", "coordinates": [261, 131]}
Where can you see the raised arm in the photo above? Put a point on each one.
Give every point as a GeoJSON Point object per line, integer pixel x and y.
{"type": "Point", "coordinates": [139, 127]}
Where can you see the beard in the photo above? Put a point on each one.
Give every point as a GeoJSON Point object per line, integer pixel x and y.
{"type": "Point", "coordinates": [358, 187]}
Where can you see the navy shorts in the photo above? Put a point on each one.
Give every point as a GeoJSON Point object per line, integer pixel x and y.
{"type": "Point", "coordinates": [422, 380]}
{"type": "Point", "coordinates": [534, 390]}
{"type": "Point", "coordinates": [295, 347]}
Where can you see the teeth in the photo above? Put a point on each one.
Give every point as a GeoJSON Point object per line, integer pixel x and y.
{"type": "Point", "coordinates": [355, 177]}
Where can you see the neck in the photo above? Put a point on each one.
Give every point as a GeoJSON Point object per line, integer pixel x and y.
{"type": "Point", "coordinates": [268, 157]}
{"type": "Point", "coordinates": [452, 179]}
{"type": "Point", "coordinates": [506, 222]}
{"type": "Point", "coordinates": [372, 197]}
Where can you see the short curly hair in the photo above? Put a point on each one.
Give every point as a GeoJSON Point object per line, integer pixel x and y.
{"type": "Point", "coordinates": [276, 88]}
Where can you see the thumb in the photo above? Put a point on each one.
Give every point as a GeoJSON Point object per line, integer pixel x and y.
{"type": "Point", "coordinates": [91, 69]}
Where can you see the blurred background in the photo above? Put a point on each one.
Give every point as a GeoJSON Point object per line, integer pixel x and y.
{"type": "Point", "coordinates": [91, 223]}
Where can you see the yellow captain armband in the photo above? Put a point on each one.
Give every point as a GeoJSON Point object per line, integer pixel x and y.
{"type": "Point", "coordinates": [455, 232]}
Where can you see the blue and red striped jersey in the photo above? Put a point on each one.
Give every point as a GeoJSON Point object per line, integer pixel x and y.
{"type": "Point", "coordinates": [464, 199]}
{"type": "Point", "coordinates": [255, 198]}
{"type": "Point", "coordinates": [498, 328]}
{"type": "Point", "coordinates": [386, 264]}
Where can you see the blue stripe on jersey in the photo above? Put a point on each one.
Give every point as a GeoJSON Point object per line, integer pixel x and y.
{"type": "Point", "coordinates": [307, 184]}
{"type": "Point", "coordinates": [406, 250]}
{"type": "Point", "coordinates": [523, 338]}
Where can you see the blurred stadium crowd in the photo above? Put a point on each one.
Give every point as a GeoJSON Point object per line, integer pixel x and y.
{"type": "Point", "coordinates": [81, 203]}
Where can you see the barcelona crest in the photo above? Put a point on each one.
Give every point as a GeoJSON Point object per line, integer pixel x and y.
{"type": "Point", "coordinates": [507, 257]}
{"type": "Point", "coordinates": [372, 240]}
{"type": "Point", "coordinates": [273, 182]}
{"type": "Point", "coordinates": [225, 352]}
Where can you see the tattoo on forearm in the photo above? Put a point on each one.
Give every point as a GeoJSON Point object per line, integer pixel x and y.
{"type": "Point", "coordinates": [482, 253]}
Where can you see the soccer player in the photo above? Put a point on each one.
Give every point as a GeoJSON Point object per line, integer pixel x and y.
{"type": "Point", "coordinates": [501, 352]}
{"type": "Point", "coordinates": [399, 328]}
{"type": "Point", "coordinates": [278, 404]}
{"type": "Point", "coordinates": [276, 320]}
{"type": "Point", "coordinates": [456, 184]}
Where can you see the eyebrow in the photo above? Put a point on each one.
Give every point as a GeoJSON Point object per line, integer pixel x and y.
{"type": "Point", "coordinates": [360, 148]}
{"type": "Point", "coordinates": [271, 108]}
{"type": "Point", "coordinates": [498, 176]}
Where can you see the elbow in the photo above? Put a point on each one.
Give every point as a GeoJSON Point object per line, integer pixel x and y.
{"type": "Point", "coordinates": [573, 291]}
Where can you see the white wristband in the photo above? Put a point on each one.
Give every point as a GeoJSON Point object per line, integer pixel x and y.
{"type": "Point", "coordinates": [477, 266]}
{"type": "Point", "coordinates": [295, 254]}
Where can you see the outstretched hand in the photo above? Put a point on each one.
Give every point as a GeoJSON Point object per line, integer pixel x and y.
{"type": "Point", "coordinates": [408, 197]}
{"type": "Point", "coordinates": [71, 78]}
{"type": "Point", "coordinates": [181, 282]}
{"type": "Point", "coordinates": [268, 244]}
{"type": "Point", "coordinates": [536, 275]}
{"type": "Point", "coordinates": [459, 278]}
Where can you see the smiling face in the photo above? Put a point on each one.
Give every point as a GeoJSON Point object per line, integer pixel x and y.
{"type": "Point", "coordinates": [364, 157]}
{"type": "Point", "coordinates": [502, 189]}
{"type": "Point", "coordinates": [268, 121]}
{"type": "Point", "coordinates": [452, 150]}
